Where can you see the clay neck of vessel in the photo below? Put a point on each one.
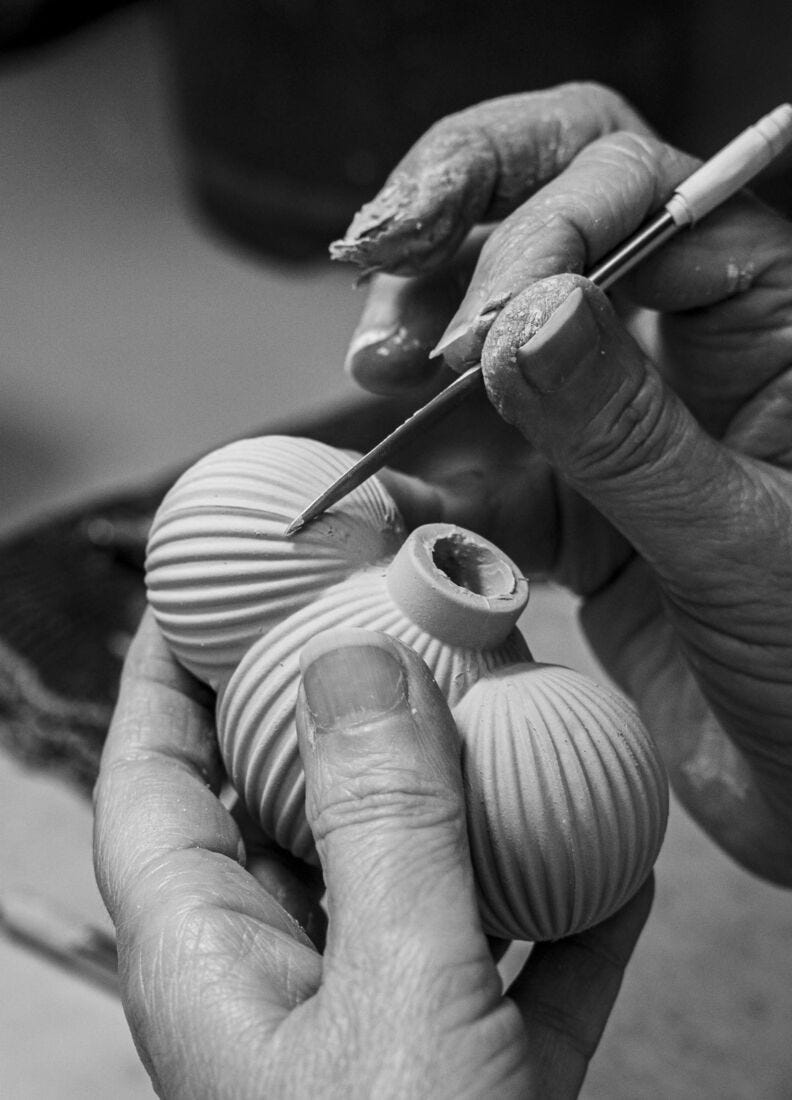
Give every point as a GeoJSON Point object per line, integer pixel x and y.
{"type": "Point", "coordinates": [457, 586]}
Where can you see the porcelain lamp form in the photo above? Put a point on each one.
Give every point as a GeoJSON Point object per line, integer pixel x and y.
{"type": "Point", "coordinates": [567, 798]}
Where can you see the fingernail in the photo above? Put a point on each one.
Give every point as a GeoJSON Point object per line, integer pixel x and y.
{"type": "Point", "coordinates": [455, 333]}
{"type": "Point", "coordinates": [370, 341]}
{"type": "Point", "coordinates": [351, 684]}
{"type": "Point", "coordinates": [392, 367]}
{"type": "Point", "coordinates": [568, 337]}
{"type": "Point", "coordinates": [461, 344]}
{"type": "Point", "coordinates": [462, 340]}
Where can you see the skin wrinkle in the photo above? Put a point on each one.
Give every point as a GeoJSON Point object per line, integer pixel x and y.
{"type": "Point", "coordinates": [412, 806]}
{"type": "Point", "coordinates": [744, 546]}
{"type": "Point", "coordinates": [687, 748]}
{"type": "Point", "coordinates": [571, 200]}
{"type": "Point", "coordinates": [437, 995]}
{"type": "Point", "coordinates": [416, 870]}
{"type": "Point", "coordinates": [398, 967]}
{"type": "Point", "coordinates": [725, 697]}
{"type": "Point", "coordinates": [147, 1039]}
{"type": "Point", "coordinates": [741, 720]}
{"type": "Point", "coordinates": [220, 839]}
{"type": "Point", "coordinates": [743, 843]}
{"type": "Point", "coordinates": [708, 644]}
{"type": "Point", "coordinates": [136, 758]}
{"type": "Point", "coordinates": [760, 428]}
{"type": "Point", "coordinates": [233, 937]}
{"type": "Point", "coordinates": [631, 437]}
{"type": "Point", "coordinates": [207, 986]}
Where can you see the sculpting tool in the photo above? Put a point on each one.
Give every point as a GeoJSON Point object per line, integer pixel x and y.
{"type": "Point", "coordinates": [710, 185]}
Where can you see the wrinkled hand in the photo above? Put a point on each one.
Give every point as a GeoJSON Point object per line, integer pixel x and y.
{"type": "Point", "coordinates": [650, 474]}
{"type": "Point", "coordinates": [226, 994]}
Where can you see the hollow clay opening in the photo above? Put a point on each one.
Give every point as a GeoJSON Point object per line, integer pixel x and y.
{"type": "Point", "coordinates": [472, 566]}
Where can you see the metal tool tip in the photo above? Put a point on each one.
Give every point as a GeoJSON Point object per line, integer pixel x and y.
{"type": "Point", "coordinates": [296, 524]}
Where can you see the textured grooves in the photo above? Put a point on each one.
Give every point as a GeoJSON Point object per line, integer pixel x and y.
{"type": "Point", "coordinates": [567, 804]}
{"type": "Point", "coordinates": [256, 723]}
{"type": "Point", "coordinates": [220, 573]}
{"type": "Point", "coordinates": [567, 799]}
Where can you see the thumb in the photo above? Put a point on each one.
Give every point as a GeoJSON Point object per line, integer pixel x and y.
{"type": "Point", "coordinates": [585, 394]}
{"type": "Point", "coordinates": [384, 799]}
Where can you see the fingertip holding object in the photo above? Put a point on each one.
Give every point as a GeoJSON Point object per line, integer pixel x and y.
{"type": "Point", "coordinates": [352, 686]}
{"type": "Point", "coordinates": [351, 677]}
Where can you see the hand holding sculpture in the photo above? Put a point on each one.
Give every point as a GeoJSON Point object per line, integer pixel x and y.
{"type": "Point", "coordinates": [546, 753]}
{"type": "Point", "coordinates": [229, 984]}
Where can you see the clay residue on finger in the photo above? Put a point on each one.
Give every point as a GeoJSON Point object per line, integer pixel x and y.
{"type": "Point", "coordinates": [739, 278]}
{"type": "Point", "coordinates": [423, 213]}
{"type": "Point", "coordinates": [477, 165]}
{"type": "Point", "coordinates": [396, 364]}
{"type": "Point", "coordinates": [515, 325]}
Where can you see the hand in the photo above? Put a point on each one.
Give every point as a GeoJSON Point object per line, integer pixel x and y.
{"type": "Point", "coordinates": [657, 480]}
{"type": "Point", "coordinates": [227, 995]}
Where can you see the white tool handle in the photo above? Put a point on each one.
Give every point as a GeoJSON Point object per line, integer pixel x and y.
{"type": "Point", "coordinates": [731, 168]}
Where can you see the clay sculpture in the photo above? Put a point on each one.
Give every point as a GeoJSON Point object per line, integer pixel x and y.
{"type": "Point", "coordinates": [567, 798]}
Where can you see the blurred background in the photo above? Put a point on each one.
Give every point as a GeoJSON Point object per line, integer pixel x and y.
{"type": "Point", "coordinates": [170, 176]}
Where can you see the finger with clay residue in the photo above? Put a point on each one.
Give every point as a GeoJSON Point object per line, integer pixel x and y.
{"type": "Point", "coordinates": [403, 319]}
{"type": "Point", "coordinates": [477, 166]}
{"type": "Point", "coordinates": [400, 324]}
{"type": "Point", "coordinates": [572, 223]}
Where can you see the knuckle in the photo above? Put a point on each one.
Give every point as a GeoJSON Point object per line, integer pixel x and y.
{"type": "Point", "coordinates": [365, 802]}
{"type": "Point", "coordinates": [594, 91]}
{"type": "Point", "coordinates": [627, 434]}
{"type": "Point", "coordinates": [624, 162]}
{"type": "Point", "coordinates": [643, 148]}
{"type": "Point", "coordinates": [643, 164]}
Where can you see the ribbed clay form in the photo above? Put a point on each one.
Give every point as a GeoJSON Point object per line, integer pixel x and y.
{"type": "Point", "coordinates": [567, 799]}
{"type": "Point", "coordinates": [219, 572]}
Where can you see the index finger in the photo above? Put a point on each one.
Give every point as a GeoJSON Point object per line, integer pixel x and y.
{"type": "Point", "coordinates": [201, 944]}
{"type": "Point", "coordinates": [474, 166]}
{"type": "Point", "coordinates": [566, 990]}
{"type": "Point", "coordinates": [159, 825]}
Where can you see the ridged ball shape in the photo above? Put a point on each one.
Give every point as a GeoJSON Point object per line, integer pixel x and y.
{"type": "Point", "coordinates": [567, 799]}
{"type": "Point", "coordinates": [219, 572]}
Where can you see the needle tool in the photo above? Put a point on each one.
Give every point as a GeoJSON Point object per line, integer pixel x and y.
{"type": "Point", "coordinates": [710, 185]}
